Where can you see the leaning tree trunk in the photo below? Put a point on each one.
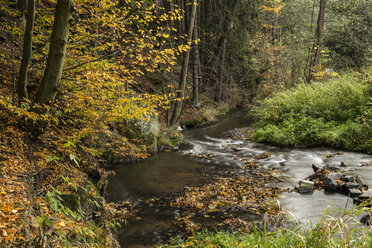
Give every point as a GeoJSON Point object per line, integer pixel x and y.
{"type": "Point", "coordinates": [185, 64]}
{"type": "Point", "coordinates": [27, 50]}
{"type": "Point", "coordinates": [57, 52]}
{"type": "Point", "coordinates": [315, 54]}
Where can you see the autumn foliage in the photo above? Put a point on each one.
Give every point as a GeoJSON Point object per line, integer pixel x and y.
{"type": "Point", "coordinates": [52, 157]}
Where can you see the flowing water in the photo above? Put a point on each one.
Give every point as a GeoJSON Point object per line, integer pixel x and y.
{"type": "Point", "coordinates": [166, 174]}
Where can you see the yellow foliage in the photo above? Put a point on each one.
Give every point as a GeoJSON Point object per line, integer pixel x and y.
{"type": "Point", "coordinates": [112, 45]}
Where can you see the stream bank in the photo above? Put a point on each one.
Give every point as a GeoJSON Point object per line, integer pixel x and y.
{"type": "Point", "coordinates": [210, 162]}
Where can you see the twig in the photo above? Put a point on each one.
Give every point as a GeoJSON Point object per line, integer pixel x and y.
{"type": "Point", "coordinates": [91, 61]}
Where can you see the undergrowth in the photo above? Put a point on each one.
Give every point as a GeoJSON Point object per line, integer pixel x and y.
{"type": "Point", "coordinates": [331, 232]}
{"type": "Point", "coordinates": [334, 113]}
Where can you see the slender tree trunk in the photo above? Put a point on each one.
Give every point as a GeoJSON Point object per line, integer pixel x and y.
{"type": "Point", "coordinates": [181, 21]}
{"type": "Point", "coordinates": [27, 50]}
{"type": "Point", "coordinates": [57, 52]}
{"type": "Point", "coordinates": [319, 31]}
{"type": "Point", "coordinates": [23, 5]}
{"type": "Point", "coordinates": [203, 24]}
{"type": "Point", "coordinates": [185, 63]}
{"type": "Point", "coordinates": [315, 54]}
{"type": "Point", "coordinates": [171, 6]}
{"type": "Point", "coordinates": [221, 75]}
{"type": "Point", "coordinates": [187, 15]}
{"type": "Point", "coordinates": [218, 96]}
{"type": "Point", "coordinates": [196, 75]}
{"type": "Point", "coordinates": [157, 7]}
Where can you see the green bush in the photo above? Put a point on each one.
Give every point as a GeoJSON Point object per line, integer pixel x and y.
{"type": "Point", "coordinates": [336, 113]}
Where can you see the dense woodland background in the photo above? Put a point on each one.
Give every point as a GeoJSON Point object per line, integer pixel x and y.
{"type": "Point", "coordinates": [78, 80]}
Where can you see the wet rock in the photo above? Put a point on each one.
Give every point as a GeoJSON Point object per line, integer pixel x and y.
{"type": "Point", "coordinates": [363, 198]}
{"type": "Point", "coordinates": [305, 186]}
{"type": "Point", "coordinates": [361, 182]}
{"type": "Point", "coordinates": [347, 178]}
{"type": "Point", "coordinates": [354, 192]}
{"type": "Point", "coordinates": [336, 166]}
{"type": "Point", "coordinates": [315, 167]}
{"type": "Point", "coordinates": [236, 149]}
{"type": "Point", "coordinates": [334, 176]}
{"type": "Point", "coordinates": [366, 196]}
{"type": "Point", "coordinates": [284, 163]}
{"type": "Point", "coordinates": [366, 219]}
{"type": "Point", "coordinates": [367, 164]}
{"type": "Point", "coordinates": [330, 184]}
{"type": "Point", "coordinates": [350, 185]}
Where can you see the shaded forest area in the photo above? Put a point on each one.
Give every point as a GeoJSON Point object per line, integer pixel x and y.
{"type": "Point", "coordinates": [82, 82]}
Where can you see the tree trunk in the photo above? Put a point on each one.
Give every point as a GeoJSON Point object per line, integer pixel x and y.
{"type": "Point", "coordinates": [27, 51]}
{"type": "Point", "coordinates": [23, 5]}
{"type": "Point", "coordinates": [315, 54]}
{"type": "Point", "coordinates": [319, 31]}
{"type": "Point", "coordinates": [57, 52]}
{"type": "Point", "coordinates": [180, 21]}
{"type": "Point", "coordinates": [171, 6]}
{"type": "Point", "coordinates": [196, 73]}
{"type": "Point", "coordinates": [185, 63]}
{"type": "Point", "coordinates": [218, 96]}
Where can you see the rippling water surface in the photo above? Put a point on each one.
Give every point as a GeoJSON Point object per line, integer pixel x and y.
{"type": "Point", "coordinates": [167, 173]}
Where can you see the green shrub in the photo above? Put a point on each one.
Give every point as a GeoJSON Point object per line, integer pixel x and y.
{"type": "Point", "coordinates": [335, 113]}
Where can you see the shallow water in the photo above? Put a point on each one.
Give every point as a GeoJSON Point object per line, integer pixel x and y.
{"type": "Point", "coordinates": [167, 173]}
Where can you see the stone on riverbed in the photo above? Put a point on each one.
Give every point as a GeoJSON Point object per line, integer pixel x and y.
{"type": "Point", "coordinates": [347, 178]}
{"type": "Point", "coordinates": [361, 182]}
{"type": "Point", "coordinates": [366, 219]}
{"type": "Point", "coordinates": [315, 167]}
{"type": "Point", "coordinates": [336, 167]}
{"type": "Point", "coordinates": [349, 185]}
{"type": "Point", "coordinates": [354, 192]}
{"type": "Point", "coordinates": [305, 186]}
{"type": "Point", "coordinates": [334, 176]}
{"type": "Point", "coordinates": [363, 198]}
{"type": "Point", "coordinates": [330, 184]}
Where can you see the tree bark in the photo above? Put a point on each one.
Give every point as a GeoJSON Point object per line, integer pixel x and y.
{"type": "Point", "coordinates": [27, 50]}
{"type": "Point", "coordinates": [185, 63]}
{"type": "Point", "coordinates": [57, 52]}
{"type": "Point", "coordinates": [181, 21]}
{"type": "Point", "coordinates": [196, 72]}
{"type": "Point", "coordinates": [315, 54]}
{"type": "Point", "coordinates": [23, 5]}
{"type": "Point", "coordinates": [218, 96]}
{"type": "Point", "coordinates": [319, 31]}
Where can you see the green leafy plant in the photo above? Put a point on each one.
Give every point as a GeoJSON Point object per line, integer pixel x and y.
{"type": "Point", "coordinates": [334, 113]}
